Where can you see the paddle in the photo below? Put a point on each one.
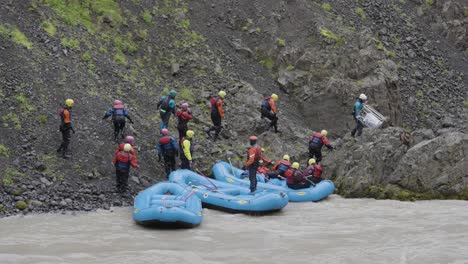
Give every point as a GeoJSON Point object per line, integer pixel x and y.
{"type": "Point", "coordinates": [212, 183]}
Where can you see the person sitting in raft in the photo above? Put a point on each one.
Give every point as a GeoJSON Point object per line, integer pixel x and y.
{"type": "Point", "coordinates": [280, 167]}
{"type": "Point", "coordinates": [295, 178]}
{"type": "Point", "coordinates": [314, 171]}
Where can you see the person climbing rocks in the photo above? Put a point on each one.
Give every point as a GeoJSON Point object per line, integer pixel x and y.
{"type": "Point", "coordinates": [184, 115]}
{"type": "Point", "coordinates": [280, 167]}
{"type": "Point", "coordinates": [128, 140]}
{"type": "Point", "coordinates": [314, 171]}
{"type": "Point", "coordinates": [254, 155]}
{"type": "Point", "coordinates": [187, 151]}
{"type": "Point", "coordinates": [217, 114]}
{"type": "Point", "coordinates": [295, 178]}
{"type": "Point", "coordinates": [66, 127]}
{"type": "Point", "coordinates": [358, 105]}
{"type": "Point", "coordinates": [167, 149]}
{"type": "Point", "coordinates": [119, 115]}
{"type": "Point", "coordinates": [123, 160]}
{"type": "Point", "coordinates": [166, 106]}
{"type": "Point", "coordinates": [268, 110]}
{"type": "Point", "coordinates": [316, 142]}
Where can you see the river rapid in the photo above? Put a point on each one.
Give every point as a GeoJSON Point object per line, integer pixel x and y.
{"type": "Point", "coordinates": [336, 230]}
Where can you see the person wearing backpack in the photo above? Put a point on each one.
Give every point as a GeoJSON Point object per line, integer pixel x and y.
{"type": "Point", "coordinates": [184, 115]}
{"type": "Point", "coordinates": [167, 148]}
{"type": "Point", "coordinates": [254, 155]}
{"type": "Point", "coordinates": [166, 106]}
{"type": "Point", "coordinates": [217, 114]}
{"type": "Point", "coordinates": [123, 160]}
{"type": "Point", "coordinates": [316, 142]}
{"type": "Point", "coordinates": [119, 115]}
{"type": "Point", "coordinates": [358, 105]}
{"type": "Point", "coordinates": [268, 110]}
{"type": "Point", "coordinates": [66, 127]}
{"type": "Point", "coordinates": [187, 151]}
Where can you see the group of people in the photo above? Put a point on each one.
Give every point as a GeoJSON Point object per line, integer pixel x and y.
{"type": "Point", "coordinates": [168, 148]}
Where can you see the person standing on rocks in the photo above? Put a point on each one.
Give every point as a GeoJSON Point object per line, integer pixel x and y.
{"type": "Point", "coordinates": [119, 115]}
{"type": "Point", "coordinates": [217, 114]}
{"type": "Point", "coordinates": [316, 142]}
{"type": "Point", "coordinates": [167, 148]}
{"type": "Point", "coordinates": [167, 106]}
{"type": "Point", "coordinates": [268, 110]}
{"type": "Point", "coordinates": [184, 115]}
{"type": "Point", "coordinates": [254, 155]}
{"type": "Point", "coordinates": [66, 127]}
{"type": "Point", "coordinates": [123, 160]}
{"type": "Point", "coordinates": [187, 151]}
{"type": "Point", "coordinates": [358, 105]}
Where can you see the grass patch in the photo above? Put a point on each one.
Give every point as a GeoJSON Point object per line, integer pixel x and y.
{"type": "Point", "coordinates": [280, 42]}
{"type": "Point", "coordinates": [268, 63]}
{"type": "Point", "coordinates": [419, 94]}
{"type": "Point", "coordinates": [125, 45]}
{"type": "Point", "coordinates": [326, 7]}
{"type": "Point", "coordinates": [120, 58]}
{"type": "Point", "coordinates": [429, 2]}
{"type": "Point", "coordinates": [290, 68]}
{"type": "Point", "coordinates": [330, 35]}
{"type": "Point", "coordinates": [360, 12]}
{"type": "Point", "coordinates": [70, 43]}
{"type": "Point", "coordinates": [186, 94]}
{"type": "Point", "coordinates": [86, 57]}
{"type": "Point", "coordinates": [42, 119]}
{"type": "Point", "coordinates": [465, 11]}
{"type": "Point", "coordinates": [465, 102]}
{"type": "Point", "coordinates": [49, 27]}
{"type": "Point", "coordinates": [11, 176]}
{"type": "Point", "coordinates": [18, 37]}
{"type": "Point", "coordinates": [13, 119]}
{"type": "Point", "coordinates": [24, 103]}
{"type": "Point", "coordinates": [184, 24]}
{"type": "Point", "coordinates": [4, 32]}
{"type": "Point", "coordinates": [147, 17]}
{"type": "Point", "coordinates": [103, 49]}
{"type": "Point", "coordinates": [4, 151]}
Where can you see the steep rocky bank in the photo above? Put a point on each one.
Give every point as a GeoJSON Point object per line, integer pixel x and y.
{"type": "Point", "coordinates": [317, 55]}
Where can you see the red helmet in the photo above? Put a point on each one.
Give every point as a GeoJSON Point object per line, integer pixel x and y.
{"type": "Point", "coordinates": [130, 140]}
{"type": "Point", "coordinates": [184, 106]}
{"type": "Point", "coordinates": [164, 132]}
{"type": "Point", "coordinates": [252, 138]}
{"type": "Point", "coordinates": [118, 102]}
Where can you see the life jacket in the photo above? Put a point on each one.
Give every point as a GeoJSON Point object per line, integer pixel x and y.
{"type": "Point", "coordinates": [266, 103]}
{"type": "Point", "coordinates": [214, 103]}
{"type": "Point", "coordinates": [118, 113]}
{"type": "Point", "coordinates": [123, 160]}
{"type": "Point", "coordinates": [166, 146]}
{"type": "Point", "coordinates": [165, 103]}
{"type": "Point", "coordinates": [182, 117]}
{"type": "Point", "coordinates": [262, 170]}
{"type": "Point", "coordinates": [289, 174]}
{"type": "Point", "coordinates": [63, 119]}
{"type": "Point", "coordinates": [258, 154]}
{"type": "Point", "coordinates": [316, 140]}
{"type": "Point", "coordinates": [318, 171]}
{"type": "Point", "coordinates": [284, 166]}
{"type": "Point", "coordinates": [309, 170]}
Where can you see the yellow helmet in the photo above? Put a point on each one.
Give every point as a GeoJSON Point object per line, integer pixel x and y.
{"type": "Point", "coordinates": [127, 147]}
{"type": "Point", "coordinates": [190, 133]}
{"type": "Point", "coordinates": [274, 97]}
{"type": "Point", "coordinates": [324, 132]}
{"type": "Point", "coordinates": [69, 102]}
{"type": "Point", "coordinates": [263, 150]}
{"type": "Point", "coordinates": [295, 165]}
{"type": "Point", "coordinates": [286, 157]}
{"type": "Point", "coordinates": [312, 161]}
{"type": "Point", "coordinates": [222, 94]}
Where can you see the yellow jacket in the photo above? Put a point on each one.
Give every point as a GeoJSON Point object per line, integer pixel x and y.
{"type": "Point", "coordinates": [186, 147]}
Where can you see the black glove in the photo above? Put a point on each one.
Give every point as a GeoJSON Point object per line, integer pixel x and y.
{"type": "Point", "coordinates": [159, 158]}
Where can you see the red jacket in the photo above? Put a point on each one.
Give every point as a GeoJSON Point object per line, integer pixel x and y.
{"type": "Point", "coordinates": [284, 164]}
{"type": "Point", "coordinates": [217, 105]}
{"type": "Point", "coordinates": [294, 176]}
{"type": "Point", "coordinates": [262, 170]}
{"type": "Point", "coordinates": [124, 159]}
{"type": "Point", "coordinates": [318, 170]}
{"type": "Point", "coordinates": [254, 154]}
{"type": "Point", "coordinates": [184, 116]}
{"type": "Point", "coordinates": [319, 140]}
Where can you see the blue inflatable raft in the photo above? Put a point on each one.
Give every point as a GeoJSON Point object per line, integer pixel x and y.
{"type": "Point", "coordinates": [167, 204]}
{"type": "Point", "coordinates": [228, 197]}
{"type": "Point", "coordinates": [223, 171]}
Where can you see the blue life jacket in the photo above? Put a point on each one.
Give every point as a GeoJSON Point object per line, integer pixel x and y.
{"type": "Point", "coordinates": [265, 104]}
{"type": "Point", "coordinates": [282, 167]}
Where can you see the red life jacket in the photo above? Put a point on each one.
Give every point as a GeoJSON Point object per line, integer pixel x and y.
{"type": "Point", "coordinates": [289, 174]}
{"type": "Point", "coordinates": [318, 171]}
{"type": "Point", "coordinates": [123, 160]}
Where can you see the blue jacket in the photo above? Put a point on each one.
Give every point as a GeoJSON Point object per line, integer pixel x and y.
{"type": "Point", "coordinates": [358, 107]}
{"type": "Point", "coordinates": [172, 145]}
{"type": "Point", "coordinates": [171, 104]}
{"type": "Point", "coordinates": [113, 111]}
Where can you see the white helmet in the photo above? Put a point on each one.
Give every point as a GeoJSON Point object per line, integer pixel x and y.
{"type": "Point", "coordinates": [363, 97]}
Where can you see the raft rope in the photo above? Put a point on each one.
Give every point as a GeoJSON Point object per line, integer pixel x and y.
{"type": "Point", "coordinates": [212, 183]}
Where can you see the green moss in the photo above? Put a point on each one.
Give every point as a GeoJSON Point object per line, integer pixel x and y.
{"type": "Point", "coordinates": [184, 24]}
{"type": "Point", "coordinates": [12, 118]}
{"type": "Point", "coordinates": [268, 63]}
{"type": "Point", "coordinates": [189, 39]}
{"type": "Point", "coordinates": [24, 103]}
{"type": "Point", "coordinates": [21, 205]}
{"type": "Point", "coordinates": [147, 17]}
{"type": "Point", "coordinates": [125, 45]}
{"type": "Point", "coordinates": [245, 28]}
{"type": "Point", "coordinates": [4, 32]}
{"type": "Point", "coordinates": [186, 94]}
{"type": "Point", "coordinates": [465, 11]}
{"type": "Point", "coordinates": [102, 49]}
{"type": "Point", "coordinates": [429, 2]}
{"type": "Point", "coordinates": [86, 57]}
{"type": "Point", "coordinates": [465, 102]}
{"type": "Point", "coordinates": [258, 30]}
{"type": "Point", "coordinates": [2, 208]}
{"type": "Point", "coordinates": [143, 34]}
{"type": "Point", "coordinates": [70, 43]}
{"type": "Point", "coordinates": [390, 53]}
{"type": "Point", "coordinates": [4, 151]}
{"type": "Point", "coordinates": [42, 119]}
{"type": "Point", "coordinates": [330, 35]}
{"type": "Point", "coordinates": [360, 12]}
{"type": "Point", "coordinates": [419, 94]}
{"type": "Point", "coordinates": [280, 42]}
{"type": "Point", "coordinates": [20, 38]}
{"type": "Point", "coordinates": [290, 68]}
{"type": "Point", "coordinates": [326, 7]}
{"type": "Point", "coordinates": [120, 58]}
{"type": "Point", "coordinates": [49, 27]}
{"type": "Point", "coordinates": [11, 176]}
